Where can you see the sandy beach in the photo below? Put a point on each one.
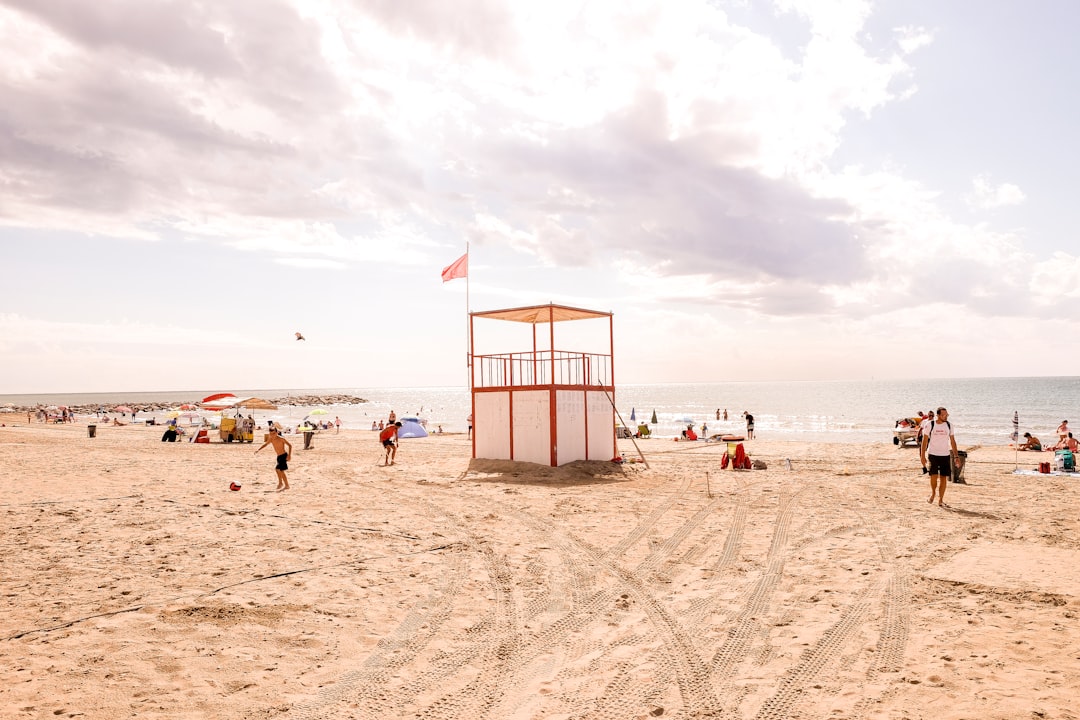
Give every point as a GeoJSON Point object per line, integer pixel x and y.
{"type": "Point", "coordinates": [135, 584]}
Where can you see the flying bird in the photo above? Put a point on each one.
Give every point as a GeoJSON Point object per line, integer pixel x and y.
{"type": "Point", "coordinates": [300, 337]}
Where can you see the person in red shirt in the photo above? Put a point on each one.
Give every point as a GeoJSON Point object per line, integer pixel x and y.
{"type": "Point", "coordinates": [388, 437]}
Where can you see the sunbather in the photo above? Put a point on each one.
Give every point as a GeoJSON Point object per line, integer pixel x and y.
{"type": "Point", "coordinates": [1031, 443]}
{"type": "Point", "coordinates": [1067, 443]}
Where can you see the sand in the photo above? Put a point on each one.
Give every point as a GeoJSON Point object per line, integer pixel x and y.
{"type": "Point", "coordinates": [135, 584]}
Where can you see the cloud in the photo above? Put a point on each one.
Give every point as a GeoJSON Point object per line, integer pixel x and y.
{"type": "Point", "coordinates": [910, 38]}
{"type": "Point", "coordinates": [578, 135]}
{"type": "Point", "coordinates": [985, 196]}
{"type": "Point", "coordinates": [1055, 284]}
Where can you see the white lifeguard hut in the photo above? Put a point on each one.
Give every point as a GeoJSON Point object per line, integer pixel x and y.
{"type": "Point", "coordinates": [546, 405]}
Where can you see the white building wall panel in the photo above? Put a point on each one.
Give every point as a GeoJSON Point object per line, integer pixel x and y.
{"type": "Point", "coordinates": [532, 426]}
{"type": "Point", "coordinates": [491, 425]}
{"type": "Point", "coordinates": [570, 429]}
{"type": "Point", "coordinates": [601, 426]}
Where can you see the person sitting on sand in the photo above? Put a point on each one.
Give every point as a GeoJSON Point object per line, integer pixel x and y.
{"type": "Point", "coordinates": [1067, 443]}
{"type": "Point", "coordinates": [1063, 430]}
{"type": "Point", "coordinates": [117, 423]}
{"type": "Point", "coordinates": [1031, 443]}
{"type": "Point", "coordinates": [283, 448]}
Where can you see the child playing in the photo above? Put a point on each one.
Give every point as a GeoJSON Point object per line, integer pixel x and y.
{"type": "Point", "coordinates": [389, 441]}
{"type": "Point", "coordinates": [283, 456]}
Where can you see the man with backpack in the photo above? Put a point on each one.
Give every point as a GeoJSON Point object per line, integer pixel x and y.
{"type": "Point", "coordinates": [937, 451]}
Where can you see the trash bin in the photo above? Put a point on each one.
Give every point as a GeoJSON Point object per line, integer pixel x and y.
{"type": "Point", "coordinates": [958, 471]}
{"type": "Point", "coordinates": [92, 430]}
{"type": "Point", "coordinates": [308, 434]}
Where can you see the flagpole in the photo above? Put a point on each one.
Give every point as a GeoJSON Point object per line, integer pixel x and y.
{"type": "Point", "coordinates": [468, 324]}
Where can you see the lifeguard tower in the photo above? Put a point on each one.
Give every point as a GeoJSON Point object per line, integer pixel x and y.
{"type": "Point", "coordinates": [545, 405]}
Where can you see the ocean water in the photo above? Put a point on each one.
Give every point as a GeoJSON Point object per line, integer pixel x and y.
{"type": "Point", "coordinates": [981, 409]}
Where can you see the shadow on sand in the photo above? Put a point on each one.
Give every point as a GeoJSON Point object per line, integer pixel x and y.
{"type": "Point", "coordinates": [511, 472]}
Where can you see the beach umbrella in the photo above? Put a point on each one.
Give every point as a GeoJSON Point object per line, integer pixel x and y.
{"type": "Point", "coordinates": [118, 408]}
{"type": "Point", "coordinates": [633, 415]}
{"type": "Point", "coordinates": [257, 404]}
{"type": "Point", "coordinates": [187, 406]}
{"type": "Point", "coordinates": [653, 421]}
{"type": "Point", "coordinates": [217, 396]}
{"type": "Point", "coordinates": [317, 411]}
{"type": "Point", "coordinates": [411, 428]}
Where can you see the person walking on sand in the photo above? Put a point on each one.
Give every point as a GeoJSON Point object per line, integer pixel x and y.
{"type": "Point", "coordinates": [388, 438]}
{"type": "Point", "coordinates": [283, 448]}
{"type": "Point", "coordinates": [337, 424]}
{"type": "Point", "coordinates": [939, 447]}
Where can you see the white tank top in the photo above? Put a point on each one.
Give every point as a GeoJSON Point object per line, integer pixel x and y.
{"type": "Point", "coordinates": [939, 439]}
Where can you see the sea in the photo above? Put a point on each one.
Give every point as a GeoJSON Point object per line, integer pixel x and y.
{"type": "Point", "coordinates": [856, 411]}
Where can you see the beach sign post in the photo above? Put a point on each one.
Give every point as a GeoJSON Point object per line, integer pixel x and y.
{"type": "Point", "coordinates": [1016, 439]}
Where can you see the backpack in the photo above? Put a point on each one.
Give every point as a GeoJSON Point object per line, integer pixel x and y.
{"type": "Point", "coordinates": [931, 430]}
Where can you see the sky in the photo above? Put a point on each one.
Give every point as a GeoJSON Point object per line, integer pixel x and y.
{"type": "Point", "coordinates": [757, 190]}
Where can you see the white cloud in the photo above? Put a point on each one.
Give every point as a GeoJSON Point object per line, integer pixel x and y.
{"type": "Point", "coordinates": [1055, 283]}
{"type": "Point", "coordinates": [985, 195]}
{"type": "Point", "coordinates": [911, 38]}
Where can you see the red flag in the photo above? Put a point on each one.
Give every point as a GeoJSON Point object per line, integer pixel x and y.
{"type": "Point", "coordinates": [457, 269]}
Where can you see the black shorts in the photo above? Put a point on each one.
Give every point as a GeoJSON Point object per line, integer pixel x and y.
{"type": "Point", "coordinates": [940, 465]}
{"type": "Point", "coordinates": [388, 443]}
{"type": "Point", "coordinates": [281, 461]}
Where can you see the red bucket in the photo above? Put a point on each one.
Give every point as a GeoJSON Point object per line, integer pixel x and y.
{"type": "Point", "coordinates": [1044, 468]}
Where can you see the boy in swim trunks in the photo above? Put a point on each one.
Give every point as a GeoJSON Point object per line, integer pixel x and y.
{"type": "Point", "coordinates": [283, 456]}
{"type": "Point", "coordinates": [389, 441]}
